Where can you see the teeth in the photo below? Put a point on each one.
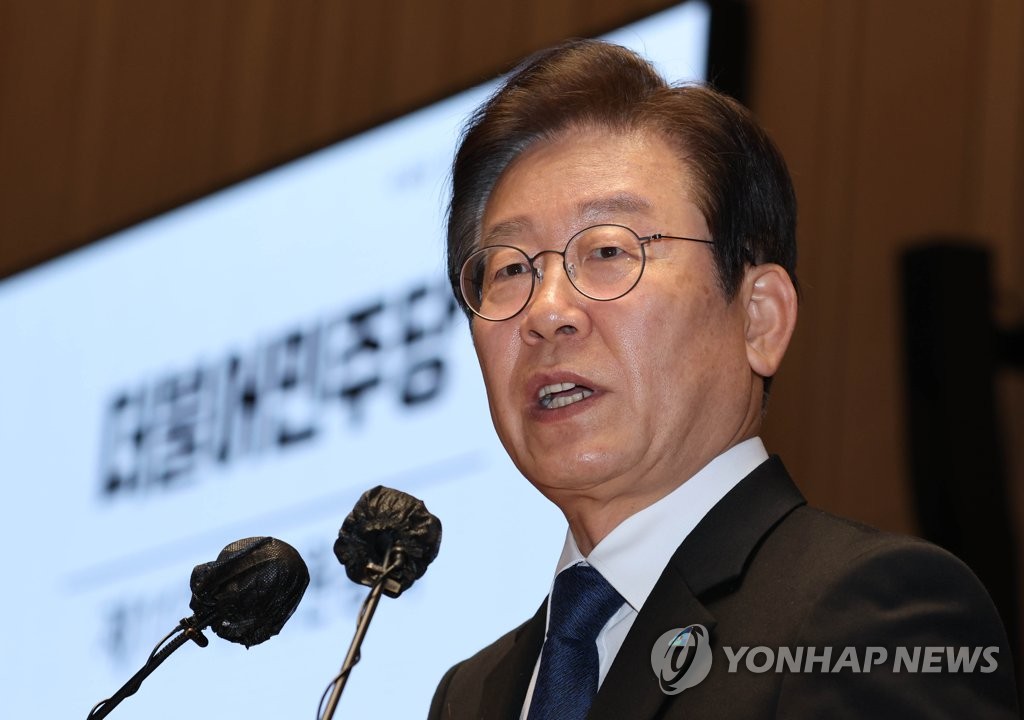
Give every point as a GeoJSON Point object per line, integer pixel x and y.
{"type": "Point", "coordinates": [553, 403]}
{"type": "Point", "coordinates": [564, 400]}
{"type": "Point", "coordinates": [552, 389]}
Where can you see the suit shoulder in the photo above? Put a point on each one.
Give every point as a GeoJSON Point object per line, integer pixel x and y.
{"type": "Point", "coordinates": [485, 658]}
{"type": "Point", "coordinates": [835, 544]}
{"type": "Point", "coordinates": [822, 574]}
{"type": "Point", "coordinates": [897, 594]}
{"type": "Point", "coordinates": [857, 561]}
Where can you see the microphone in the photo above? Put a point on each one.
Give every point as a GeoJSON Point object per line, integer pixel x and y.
{"type": "Point", "coordinates": [386, 543]}
{"type": "Point", "coordinates": [387, 521]}
{"type": "Point", "coordinates": [245, 596]}
{"type": "Point", "coordinates": [250, 590]}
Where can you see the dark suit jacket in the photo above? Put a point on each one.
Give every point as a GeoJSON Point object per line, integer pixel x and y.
{"type": "Point", "coordinates": [763, 569]}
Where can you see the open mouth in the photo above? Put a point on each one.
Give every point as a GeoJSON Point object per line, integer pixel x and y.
{"type": "Point", "coordinates": [559, 395]}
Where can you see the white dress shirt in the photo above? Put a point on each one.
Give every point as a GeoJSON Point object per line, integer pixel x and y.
{"type": "Point", "coordinates": [633, 555]}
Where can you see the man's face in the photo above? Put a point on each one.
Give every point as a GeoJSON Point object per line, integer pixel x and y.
{"type": "Point", "coordinates": [658, 381]}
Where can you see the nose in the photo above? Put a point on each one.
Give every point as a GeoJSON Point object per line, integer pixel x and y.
{"type": "Point", "coordinates": [557, 309]}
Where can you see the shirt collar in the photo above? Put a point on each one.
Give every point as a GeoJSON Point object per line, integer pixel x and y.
{"type": "Point", "coordinates": [633, 555]}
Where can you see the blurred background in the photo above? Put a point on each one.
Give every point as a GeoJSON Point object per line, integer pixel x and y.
{"type": "Point", "coordinates": [902, 122]}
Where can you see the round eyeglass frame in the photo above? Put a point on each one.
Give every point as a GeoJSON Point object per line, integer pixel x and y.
{"type": "Point", "coordinates": [538, 274]}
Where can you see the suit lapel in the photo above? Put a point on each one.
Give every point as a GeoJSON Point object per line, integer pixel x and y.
{"type": "Point", "coordinates": [718, 549]}
{"type": "Point", "coordinates": [712, 556]}
{"type": "Point", "coordinates": [504, 688]}
{"type": "Point", "coordinates": [630, 689]}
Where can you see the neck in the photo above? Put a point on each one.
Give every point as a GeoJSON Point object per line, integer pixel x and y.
{"type": "Point", "coordinates": [593, 515]}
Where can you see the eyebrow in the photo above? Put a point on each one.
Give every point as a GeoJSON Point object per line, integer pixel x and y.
{"type": "Point", "coordinates": [617, 204]}
{"type": "Point", "coordinates": [596, 209]}
{"type": "Point", "coordinates": [505, 229]}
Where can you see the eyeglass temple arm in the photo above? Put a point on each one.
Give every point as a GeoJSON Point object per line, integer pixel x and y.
{"type": "Point", "coordinates": [661, 236]}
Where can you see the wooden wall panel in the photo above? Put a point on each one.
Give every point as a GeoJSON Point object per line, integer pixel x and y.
{"type": "Point", "coordinates": [115, 109]}
{"type": "Point", "coordinates": [915, 115]}
{"type": "Point", "coordinates": [880, 109]}
{"type": "Point", "coordinates": [998, 211]}
{"type": "Point", "coordinates": [39, 89]}
{"type": "Point", "coordinates": [899, 120]}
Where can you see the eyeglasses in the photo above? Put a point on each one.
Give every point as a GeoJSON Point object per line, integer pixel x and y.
{"type": "Point", "coordinates": [603, 262]}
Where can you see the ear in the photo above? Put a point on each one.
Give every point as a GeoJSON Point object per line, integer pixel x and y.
{"type": "Point", "coordinates": [771, 309]}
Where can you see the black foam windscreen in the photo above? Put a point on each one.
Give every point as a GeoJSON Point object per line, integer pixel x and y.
{"type": "Point", "coordinates": [384, 519]}
{"type": "Point", "coordinates": [250, 590]}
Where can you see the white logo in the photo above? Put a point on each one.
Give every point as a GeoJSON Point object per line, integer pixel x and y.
{"type": "Point", "coordinates": [681, 658]}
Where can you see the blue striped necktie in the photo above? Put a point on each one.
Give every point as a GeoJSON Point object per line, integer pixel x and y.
{"type": "Point", "coordinates": [581, 603]}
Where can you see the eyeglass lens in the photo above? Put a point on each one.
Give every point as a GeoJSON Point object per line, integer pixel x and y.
{"type": "Point", "coordinates": [603, 262]}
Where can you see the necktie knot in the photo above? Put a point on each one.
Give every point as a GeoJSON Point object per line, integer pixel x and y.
{"type": "Point", "coordinates": [582, 601]}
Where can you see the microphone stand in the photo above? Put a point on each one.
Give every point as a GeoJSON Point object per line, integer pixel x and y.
{"type": "Point", "coordinates": [365, 615]}
{"type": "Point", "coordinates": [192, 630]}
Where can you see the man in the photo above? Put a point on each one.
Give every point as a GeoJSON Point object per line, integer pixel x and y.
{"type": "Point", "coordinates": [625, 251]}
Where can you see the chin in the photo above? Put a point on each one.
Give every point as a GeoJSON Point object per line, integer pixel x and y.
{"type": "Point", "coordinates": [580, 473]}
